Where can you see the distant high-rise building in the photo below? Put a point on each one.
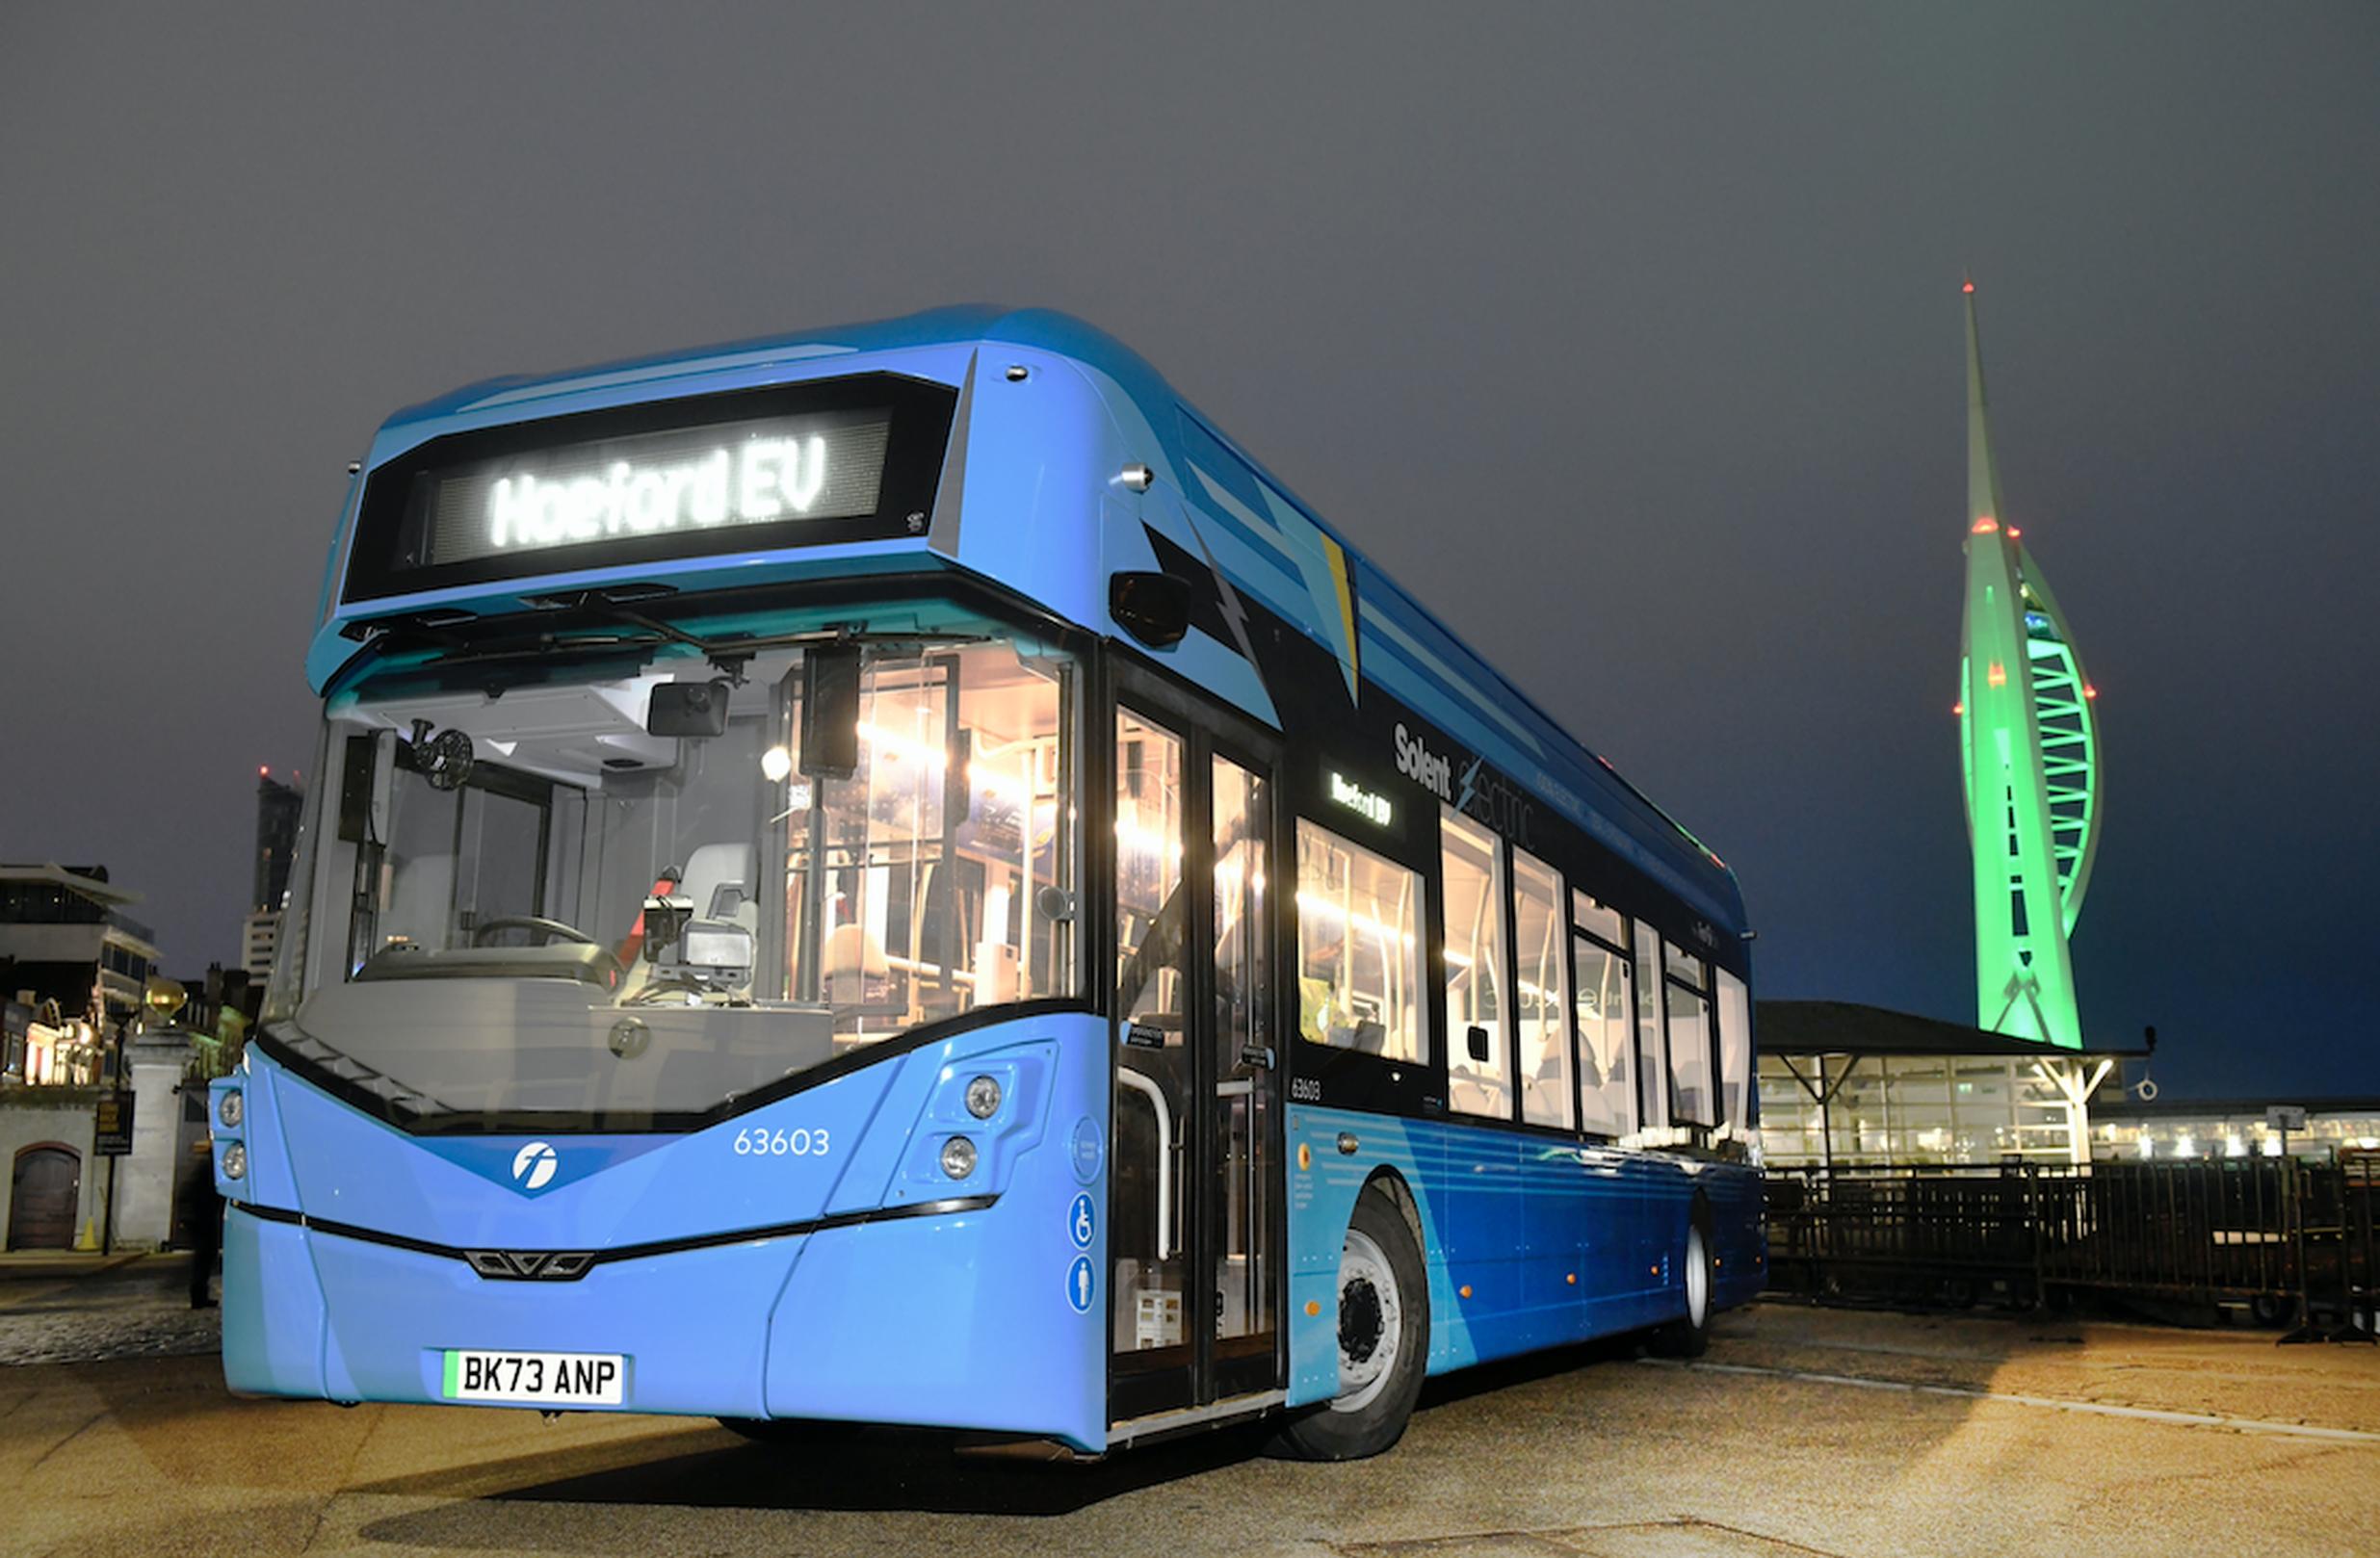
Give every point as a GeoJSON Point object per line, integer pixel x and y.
{"type": "Point", "coordinates": [2028, 731]}
{"type": "Point", "coordinates": [278, 806]}
{"type": "Point", "coordinates": [260, 938]}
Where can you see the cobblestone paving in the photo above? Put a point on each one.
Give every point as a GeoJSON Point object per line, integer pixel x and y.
{"type": "Point", "coordinates": [137, 1311]}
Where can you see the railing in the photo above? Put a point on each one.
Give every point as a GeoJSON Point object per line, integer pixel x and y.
{"type": "Point", "coordinates": [2265, 1234]}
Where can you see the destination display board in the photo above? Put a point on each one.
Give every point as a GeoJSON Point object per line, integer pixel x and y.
{"type": "Point", "coordinates": [801, 466]}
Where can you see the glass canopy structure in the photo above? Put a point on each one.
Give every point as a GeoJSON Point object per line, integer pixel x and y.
{"type": "Point", "coordinates": [2028, 730]}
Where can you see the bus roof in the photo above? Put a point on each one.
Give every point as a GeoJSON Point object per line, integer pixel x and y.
{"type": "Point", "coordinates": [1435, 653]}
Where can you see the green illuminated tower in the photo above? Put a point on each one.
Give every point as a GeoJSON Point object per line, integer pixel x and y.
{"type": "Point", "coordinates": [2029, 733]}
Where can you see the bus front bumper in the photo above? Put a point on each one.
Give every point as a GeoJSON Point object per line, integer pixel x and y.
{"type": "Point", "coordinates": [918, 1320]}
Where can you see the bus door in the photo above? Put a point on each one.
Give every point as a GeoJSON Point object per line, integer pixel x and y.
{"type": "Point", "coordinates": [1194, 1204]}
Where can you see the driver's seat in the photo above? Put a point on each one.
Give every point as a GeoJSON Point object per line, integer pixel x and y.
{"type": "Point", "coordinates": [719, 882]}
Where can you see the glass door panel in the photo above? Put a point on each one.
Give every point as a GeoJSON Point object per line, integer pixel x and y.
{"type": "Point", "coordinates": [1151, 1325]}
{"type": "Point", "coordinates": [1244, 1060]}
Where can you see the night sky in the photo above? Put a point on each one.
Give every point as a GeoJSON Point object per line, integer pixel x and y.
{"type": "Point", "coordinates": [1629, 337]}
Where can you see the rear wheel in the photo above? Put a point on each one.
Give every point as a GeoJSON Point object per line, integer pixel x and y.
{"type": "Point", "coordinates": [1690, 1335]}
{"type": "Point", "coordinates": [1383, 1341]}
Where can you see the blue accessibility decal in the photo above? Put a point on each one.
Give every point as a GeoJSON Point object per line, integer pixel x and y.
{"type": "Point", "coordinates": [1079, 1285]}
{"type": "Point", "coordinates": [1079, 1223]}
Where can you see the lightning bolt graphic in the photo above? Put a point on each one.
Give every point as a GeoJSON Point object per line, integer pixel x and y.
{"type": "Point", "coordinates": [1235, 614]}
{"type": "Point", "coordinates": [1471, 782]}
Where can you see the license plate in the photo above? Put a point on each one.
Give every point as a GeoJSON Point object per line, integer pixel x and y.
{"type": "Point", "coordinates": [545, 1379]}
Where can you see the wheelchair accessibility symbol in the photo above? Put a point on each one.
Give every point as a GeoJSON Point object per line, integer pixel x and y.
{"type": "Point", "coordinates": [1079, 1285]}
{"type": "Point", "coordinates": [1079, 1222]}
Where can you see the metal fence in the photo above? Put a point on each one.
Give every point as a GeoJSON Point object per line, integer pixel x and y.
{"type": "Point", "coordinates": [2268, 1236]}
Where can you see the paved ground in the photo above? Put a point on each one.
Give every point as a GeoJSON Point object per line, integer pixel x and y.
{"type": "Point", "coordinates": [74, 1309]}
{"type": "Point", "coordinates": [1804, 1432]}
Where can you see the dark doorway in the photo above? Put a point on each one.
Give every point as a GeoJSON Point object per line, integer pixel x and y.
{"type": "Point", "coordinates": [41, 1199]}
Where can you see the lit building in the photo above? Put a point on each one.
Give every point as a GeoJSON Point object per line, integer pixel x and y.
{"type": "Point", "coordinates": [63, 930]}
{"type": "Point", "coordinates": [279, 807]}
{"type": "Point", "coordinates": [1849, 1086]}
{"type": "Point", "coordinates": [2132, 1129]}
{"type": "Point", "coordinates": [260, 937]}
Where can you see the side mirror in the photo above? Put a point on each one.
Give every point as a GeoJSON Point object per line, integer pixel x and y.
{"type": "Point", "coordinates": [830, 710]}
{"type": "Point", "coordinates": [1154, 607]}
{"type": "Point", "coordinates": [696, 709]}
{"type": "Point", "coordinates": [1474, 1038]}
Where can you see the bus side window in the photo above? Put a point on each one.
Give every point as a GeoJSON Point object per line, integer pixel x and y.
{"type": "Point", "coordinates": [1735, 1050]}
{"type": "Point", "coordinates": [1542, 1001]}
{"type": "Point", "coordinates": [1472, 876]}
{"type": "Point", "coordinates": [1652, 1062]}
{"type": "Point", "coordinates": [1359, 947]}
{"type": "Point", "coordinates": [1606, 1019]}
{"type": "Point", "coordinates": [1693, 1100]}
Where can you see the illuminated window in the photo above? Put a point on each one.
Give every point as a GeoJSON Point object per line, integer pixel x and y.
{"type": "Point", "coordinates": [1477, 1066]}
{"type": "Point", "coordinates": [1692, 1100]}
{"type": "Point", "coordinates": [1651, 1066]}
{"type": "Point", "coordinates": [1598, 919]}
{"type": "Point", "coordinates": [1734, 1011]}
{"type": "Point", "coordinates": [1149, 905]}
{"type": "Point", "coordinates": [1359, 947]}
{"type": "Point", "coordinates": [1600, 1001]}
{"type": "Point", "coordinates": [1546, 1099]}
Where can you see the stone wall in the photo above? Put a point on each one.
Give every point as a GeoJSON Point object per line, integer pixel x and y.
{"type": "Point", "coordinates": [30, 1116]}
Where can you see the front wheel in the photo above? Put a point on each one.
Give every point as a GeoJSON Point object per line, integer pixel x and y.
{"type": "Point", "coordinates": [1690, 1335]}
{"type": "Point", "coordinates": [1383, 1341]}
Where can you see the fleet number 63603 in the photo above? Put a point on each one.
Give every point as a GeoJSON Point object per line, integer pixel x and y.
{"type": "Point", "coordinates": [799, 1142]}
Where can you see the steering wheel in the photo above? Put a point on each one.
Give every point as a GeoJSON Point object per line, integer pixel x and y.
{"type": "Point", "coordinates": [550, 930]}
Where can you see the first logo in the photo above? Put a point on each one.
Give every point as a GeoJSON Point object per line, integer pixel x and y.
{"type": "Point", "coordinates": [534, 1165]}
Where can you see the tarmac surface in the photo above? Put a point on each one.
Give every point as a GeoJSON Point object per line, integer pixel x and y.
{"type": "Point", "coordinates": [1804, 1432]}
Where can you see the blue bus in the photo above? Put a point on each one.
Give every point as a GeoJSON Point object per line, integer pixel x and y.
{"type": "Point", "coordinates": [897, 877]}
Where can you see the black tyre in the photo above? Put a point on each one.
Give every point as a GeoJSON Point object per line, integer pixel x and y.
{"type": "Point", "coordinates": [1383, 1341]}
{"type": "Point", "coordinates": [1690, 1335]}
{"type": "Point", "coordinates": [2272, 1310]}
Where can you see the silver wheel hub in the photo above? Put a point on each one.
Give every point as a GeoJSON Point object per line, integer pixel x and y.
{"type": "Point", "coordinates": [1372, 1323]}
{"type": "Point", "coordinates": [1697, 1279]}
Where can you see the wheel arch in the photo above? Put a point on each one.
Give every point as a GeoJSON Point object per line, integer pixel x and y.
{"type": "Point", "coordinates": [1390, 1181]}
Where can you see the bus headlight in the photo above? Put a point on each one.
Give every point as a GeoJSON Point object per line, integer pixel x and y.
{"type": "Point", "coordinates": [229, 1110]}
{"type": "Point", "coordinates": [959, 1157]}
{"type": "Point", "coordinates": [235, 1161]}
{"type": "Point", "coordinates": [983, 1097]}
